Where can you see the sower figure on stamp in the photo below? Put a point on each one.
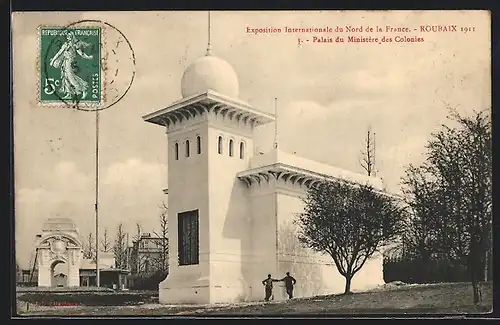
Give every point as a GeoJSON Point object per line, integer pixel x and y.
{"type": "Point", "coordinates": [268, 283]}
{"type": "Point", "coordinates": [65, 59]}
{"type": "Point", "coordinates": [289, 283]}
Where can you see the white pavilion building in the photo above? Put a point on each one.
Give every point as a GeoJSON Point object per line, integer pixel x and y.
{"type": "Point", "coordinates": [231, 211]}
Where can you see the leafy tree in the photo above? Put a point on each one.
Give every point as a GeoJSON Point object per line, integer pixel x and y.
{"type": "Point", "coordinates": [456, 203]}
{"type": "Point", "coordinates": [350, 223]}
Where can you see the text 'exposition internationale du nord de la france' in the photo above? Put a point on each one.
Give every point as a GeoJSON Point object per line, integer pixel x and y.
{"type": "Point", "coordinates": [359, 34]}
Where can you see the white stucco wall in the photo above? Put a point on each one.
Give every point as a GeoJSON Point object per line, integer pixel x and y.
{"type": "Point", "coordinates": [188, 190]}
{"type": "Point", "coordinates": [229, 217]}
{"type": "Point", "coordinates": [315, 273]}
{"type": "Point", "coordinates": [263, 231]}
{"type": "Point", "coordinates": [208, 182]}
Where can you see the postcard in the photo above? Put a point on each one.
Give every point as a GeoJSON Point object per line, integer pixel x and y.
{"type": "Point", "coordinates": [200, 163]}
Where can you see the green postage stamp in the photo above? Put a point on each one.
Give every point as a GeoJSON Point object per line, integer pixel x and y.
{"type": "Point", "coordinates": [70, 66]}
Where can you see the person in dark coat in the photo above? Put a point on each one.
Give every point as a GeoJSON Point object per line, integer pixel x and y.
{"type": "Point", "coordinates": [289, 283]}
{"type": "Point", "coordinates": [268, 283]}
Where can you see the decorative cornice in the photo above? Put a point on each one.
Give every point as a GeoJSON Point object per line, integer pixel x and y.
{"type": "Point", "coordinates": [291, 175]}
{"type": "Point", "coordinates": [278, 172]}
{"type": "Point", "coordinates": [210, 102]}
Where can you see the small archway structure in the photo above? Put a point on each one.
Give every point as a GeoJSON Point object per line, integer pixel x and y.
{"type": "Point", "coordinates": [59, 243]}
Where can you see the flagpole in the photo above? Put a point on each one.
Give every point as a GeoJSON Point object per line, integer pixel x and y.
{"type": "Point", "coordinates": [98, 278]}
{"type": "Point", "coordinates": [275, 123]}
{"type": "Point", "coordinates": [209, 45]}
{"type": "Point", "coordinates": [374, 156]}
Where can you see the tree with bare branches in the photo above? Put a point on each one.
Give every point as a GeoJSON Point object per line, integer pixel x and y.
{"type": "Point", "coordinates": [120, 247]}
{"type": "Point", "coordinates": [105, 243]}
{"type": "Point", "coordinates": [350, 223]}
{"type": "Point", "coordinates": [138, 232]}
{"type": "Point", "coordinates": [421, 235]}
{"type": "Point", "coordinates": [451, 193]}
{"type": "Point", "coordinates": [368, 155]}
{"type": "Point", "coordinates": [89, 251]}
{"type": "Point", "coordinates": [138, 262]}
{"type": "Point", "coordinates": [162, 235]}
{"type": "Point", "coordinates": [18, 272]}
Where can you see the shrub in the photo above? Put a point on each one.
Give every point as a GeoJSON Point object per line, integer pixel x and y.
{"type": "Point", "coordinates": [411, 270]}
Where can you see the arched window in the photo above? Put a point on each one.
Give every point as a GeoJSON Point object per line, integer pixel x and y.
{"type": "Point", "coordinates": [219, 145]}
{"type": "Point", "coordinates": [231, 145]}
{"type": "Point", "coordinates": [242, 150]}
{"type": "Point", "coordinates": [187, 148]}
{"type": "Point", "coordinates": [198, 144]}
{"type": "Point", "coordinates": [176, 151]}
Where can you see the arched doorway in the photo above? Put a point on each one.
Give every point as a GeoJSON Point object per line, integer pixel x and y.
{"type": "Point", "coordinates": [59, 274]}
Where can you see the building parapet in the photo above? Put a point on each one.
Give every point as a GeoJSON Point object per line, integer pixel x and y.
{"type": "Point", "coordinates": [310, 167]}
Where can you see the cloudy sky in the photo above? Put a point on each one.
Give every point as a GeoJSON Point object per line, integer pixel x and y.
{"type": "Point", "coordinates": [328, 95]}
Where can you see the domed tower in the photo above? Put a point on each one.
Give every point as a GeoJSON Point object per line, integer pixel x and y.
{"type": "Point", "coordinates": [209, 73]}
{"type": "Point", "coordinates": [210, 140]}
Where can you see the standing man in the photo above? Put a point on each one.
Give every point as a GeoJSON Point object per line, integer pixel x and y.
{"type": "Point", "coordinates": [289, 283]}
{"type": "Point", "coordinates": [268, 283]}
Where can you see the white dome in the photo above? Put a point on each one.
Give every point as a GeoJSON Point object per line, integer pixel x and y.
{"type": "Point", "coordinates": [209, 73]}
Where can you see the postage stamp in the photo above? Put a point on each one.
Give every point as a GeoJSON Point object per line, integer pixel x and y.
{"type": "Point", "coordinates": [70, 66]}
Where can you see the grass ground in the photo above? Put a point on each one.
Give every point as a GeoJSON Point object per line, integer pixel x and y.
{"type": "Point", "coordinates": [427, 299]}
{"type": "Point", "coordinates": [20, 290]}
{"type": "Point", "coordinates": [86, 298]}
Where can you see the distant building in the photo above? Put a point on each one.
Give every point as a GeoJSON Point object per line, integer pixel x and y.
{"type": "Point", "coordinates": [110, 276]}
{"type": "Point", "coordinates": [60, 244]}
{"type": "Point", "coordinates": [147, 256]}
{"type": "Point", "coordinates": [27, 278]}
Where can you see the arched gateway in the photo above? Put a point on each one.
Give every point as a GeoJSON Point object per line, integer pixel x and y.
{"type": "Point", "coordinates": [59, 250]}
